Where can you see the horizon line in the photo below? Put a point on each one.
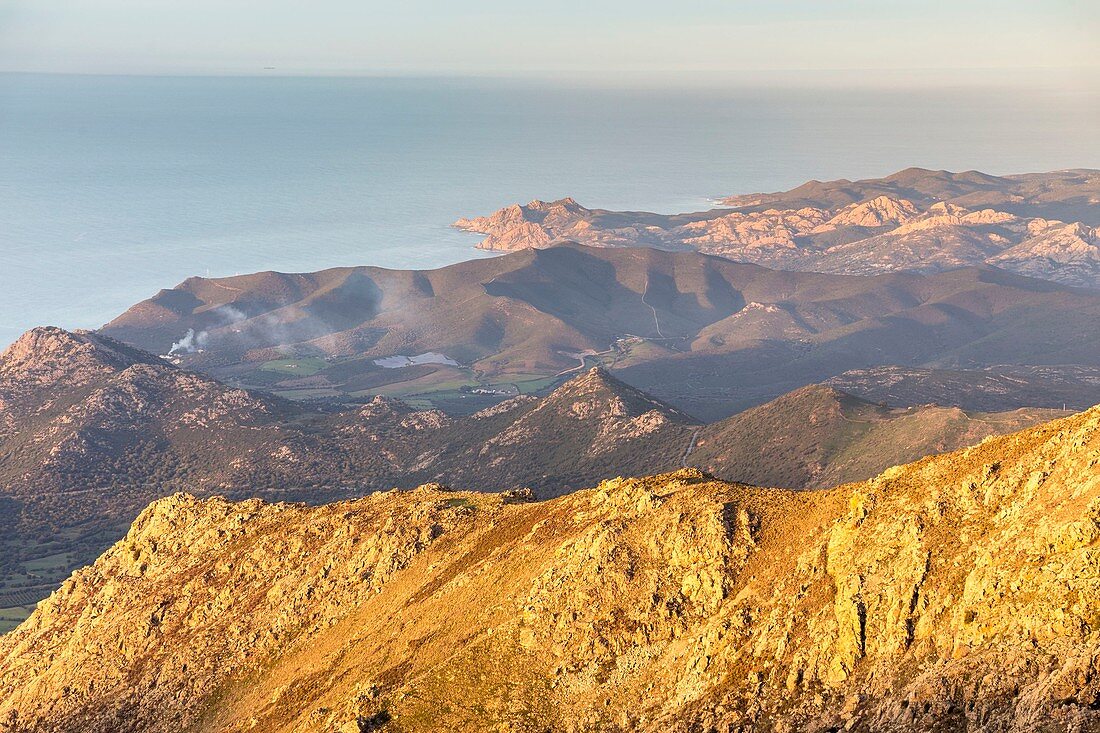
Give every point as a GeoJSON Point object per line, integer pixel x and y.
{"type": "Point", "coordinates": [558, 73]}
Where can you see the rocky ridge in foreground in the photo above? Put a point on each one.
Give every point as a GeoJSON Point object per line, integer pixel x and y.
{"type": "Point", "coordinates": [958, 592]}
{"type": "Point", "coordinates": [92, 431]}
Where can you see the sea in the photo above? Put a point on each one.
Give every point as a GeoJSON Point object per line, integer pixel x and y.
{"type": "Point", "coordinates": [112, 187]}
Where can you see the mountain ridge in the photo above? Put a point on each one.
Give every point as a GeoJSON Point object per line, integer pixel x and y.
{"type": "Point", "coordinates": [819, 436]}
{"type": "Point", "coordinates": [80, 456]}
{"type": "Point", "coordinates": [665, 322]}
{"type": "Point", "coordinates": [1040, 225]}
{"type": "Point", "coordinates": [939, 595]}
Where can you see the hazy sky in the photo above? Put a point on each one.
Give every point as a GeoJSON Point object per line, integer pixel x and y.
{"type": "Point", "coordinates": [503, 37]}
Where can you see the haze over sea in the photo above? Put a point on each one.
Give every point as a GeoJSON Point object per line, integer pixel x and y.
{"type": "Point", "coordinates": [114, 187]}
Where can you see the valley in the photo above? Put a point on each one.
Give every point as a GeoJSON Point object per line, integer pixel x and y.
{"type": "Point", "coordinates": [705, 334]}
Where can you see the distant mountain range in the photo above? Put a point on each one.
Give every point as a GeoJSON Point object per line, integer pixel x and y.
{"type": "Point", "coordinates": [1041, 225]}
{"type": "Point", "coordinates": [705, 334]}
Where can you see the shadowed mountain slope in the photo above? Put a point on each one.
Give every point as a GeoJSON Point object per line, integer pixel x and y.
{"type": "Point", "coordinates": [817, 437]}
{"type": "Point", "coordinates": [94, 430]}
{"type": "Point", "coordinates": [703, 333]}
{"type": "Point", "coordinates": [528, 310]}
{"type": "Point", "coordinates": [955, 593]}
{"type": "Point", "coordinates": [992, 389]}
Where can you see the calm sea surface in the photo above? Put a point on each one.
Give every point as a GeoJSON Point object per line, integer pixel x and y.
{"type": "Point", "coordinates": [113, 187]}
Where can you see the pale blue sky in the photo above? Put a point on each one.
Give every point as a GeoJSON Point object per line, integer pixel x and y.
{"type": "Point", "coordinates": [567, 37]}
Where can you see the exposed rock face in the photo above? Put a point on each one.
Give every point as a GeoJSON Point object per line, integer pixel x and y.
{"type": "Point", "coordinates": [602, 414]}
{"type": "Point", "coordinates": [50, 356]}
{"type": "Point", "coordinates": [1074, 249]}
{"type": "Point", "coordinates": [853, 228]}
{"type": "Point", "coordinates": [878, 212]}
{"type": "Point", "coordinates": [959, 592]}
{"type": "Point", "coordinates": [511, 226]}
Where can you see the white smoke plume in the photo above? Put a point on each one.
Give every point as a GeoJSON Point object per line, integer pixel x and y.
{"type": "Point", "coordinates": [231, 314]}
{"type": "Point", "coordinates": [190, 343]}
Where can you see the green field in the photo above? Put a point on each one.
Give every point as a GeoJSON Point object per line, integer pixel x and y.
{"type": "Point", "coordinates": [12, 617]}
{"type": "Point", "coordinates": [633, 351]}
{"type": "Point", "coordinates": [303, 367]}
{"type": "Point", "coordinates": [536, 385]}
{"type": "Point", "coordinates": [307, 393]}
{"type": "Point", "coordinates": [513, 378]}
{"type": "Point", "coordinates": [55, 563]}
{"type": "Point", "coordinates": [525, 383]}
{"type": "Point", "coordinates": [443, 380]}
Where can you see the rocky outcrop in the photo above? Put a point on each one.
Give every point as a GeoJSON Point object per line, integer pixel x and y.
{"type": "Point", "coordinates": [49, 356]}
{"type": "Point", "coordinates": [955, 593]}
{"type": "Point", "coordinates": [538, 224]}
{"type": "Point", "coordinates": [878, 212]}
{"type": "Point", "coordinates": [589, 427]}
{"type": "Point", "coordinates": [1073, 249]}
{"type": "Point", "coordinates": [950, 221]}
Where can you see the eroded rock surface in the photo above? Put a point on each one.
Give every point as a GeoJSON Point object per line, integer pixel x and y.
{"type": "Point", "coordinates": [956, 593]}
{"type": "Point", "coordinates": [914, 221]}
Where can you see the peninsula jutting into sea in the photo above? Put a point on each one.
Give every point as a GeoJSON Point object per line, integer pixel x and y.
{"type": "Point", "coordinates": [807, 339]}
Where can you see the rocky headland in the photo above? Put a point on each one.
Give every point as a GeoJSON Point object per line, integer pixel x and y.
{"type": "Point", "coordinates": [913, 221]}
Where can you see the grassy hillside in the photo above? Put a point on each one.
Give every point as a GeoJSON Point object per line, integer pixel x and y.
{"type": "Point", "coordinates": [992, 389]}
{"type": "Point", "coordinates": [708, 335]}
{"type": "Point", "coordinates": [817, 437]}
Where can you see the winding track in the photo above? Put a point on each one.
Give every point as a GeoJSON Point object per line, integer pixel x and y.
{"type": "Point", "coordinates": [655, 321]}
{"type": "Point", "coordinates": [689, 449]}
